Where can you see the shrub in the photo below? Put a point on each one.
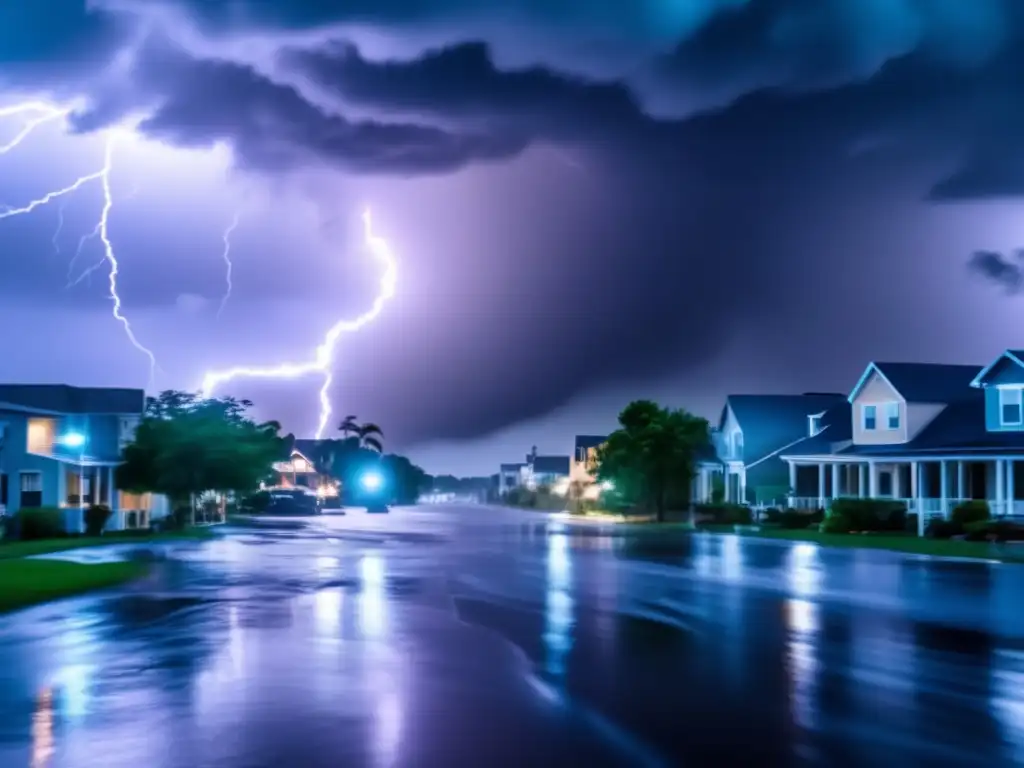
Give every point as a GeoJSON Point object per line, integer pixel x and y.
{"type": "Point", "coordinates": [724, 514]}
{"type": "Point", "coordinates": [943, 529]}
{"type": "Point", "coordinates": [994, 530]}
{"type": "Point", "coordinates": [799, 519]}
{"type": "Point", "coordinates": [911, 522]}
{"type": "Point", "coordinates": [872, 514]}
{"type": "Point", "coordinates": [41, 523]}
{"type": "Point", "coordinates": [970, 512]}
{"type": "Point", "coordinates": [835, 522]}
{"type": "Point", "coordinates": [772, 515]}
{"type": "Point", "coordinates": [96, 517]}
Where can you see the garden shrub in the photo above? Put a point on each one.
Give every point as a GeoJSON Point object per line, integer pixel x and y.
{"type": "Point", "coordinates": [969, 512]}
{"type": "Point", "coordinates": [874, 515]}
{"type": "Point", "coordinates": [41, 523]}
{"type": "Point", "coordinates": [724, 514]}
{"type": "Point", "coordinates": [994, 530]}
{"type": "Point", "coordinates": [943, 529]}
{"type": "Point", "coordinates": [96, 517]}
{"type": "Point", "coordinates": [799, 519]}
{"type": "Point", "coordinates": [835, 522]}
{"type": "Point", "coordinates": [772, 515]}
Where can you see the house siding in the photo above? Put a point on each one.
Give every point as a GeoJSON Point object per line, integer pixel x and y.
{"type": "Point", "coordinates": [726, 443]}
{"type": "Point", "coordinates": [877, 391]}
{"type": "Point", "coordinates": [1005, 372]}
{"type": "Point", "coordinates": [15, 461]}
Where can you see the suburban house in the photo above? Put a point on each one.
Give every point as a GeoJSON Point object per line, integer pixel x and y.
{"type": "Point", "coordinates": [752, 433]}
{"type": "Point", "coordinates": [511, 476]}
{"type": "Point", "coordinates": [546, 471]}
{"type": "Point", "coordinates": [59, 446]}
{"type": "Point", "coordinates": [931, 435]}
{"type": "Point", "coordinates": [300, 471]}
{"type": "Point", "coordinates": [584, 461]}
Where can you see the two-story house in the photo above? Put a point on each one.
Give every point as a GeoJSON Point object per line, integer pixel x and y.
{"type": "Point", "coordinates": [752, 433]}
{"type": "Point", "coordinates": [584, 463]}
{"type": "Point", "coordinates": [510, 477]}
{"type": "Point", "coordinates": [931, 435]}
{"type": "Point", "coordinates": [59, 446]}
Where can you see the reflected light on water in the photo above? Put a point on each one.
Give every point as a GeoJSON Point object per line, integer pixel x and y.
{"type": "Point", "coordinates": [42, 730]}
{"type": "Point", "coordinates": [388, 728]}
{"type": "Point", "coordinates": [558, 605]}
{"type": "Point", "coordinates": [327, 610]}
{"type": "Point", "coordinates": [803, 623]}
{"type": "Point", "coordinates": [732, 558]}
{"type": "Point", "coordinates": [1006, 702]}
{"type": "Point", "coordinates": [372, 598]}
{"type": "Point", "coordinates": [803, 570]}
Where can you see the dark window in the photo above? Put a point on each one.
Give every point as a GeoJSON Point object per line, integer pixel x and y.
{"type": "Point", "coordinates": [31, 489]}
{"type": "Point", "coordinates": [869, 417]}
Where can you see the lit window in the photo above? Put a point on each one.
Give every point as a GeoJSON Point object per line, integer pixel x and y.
{"type": "Point", "coordinates": [870, 417]}
{"type": "Point", "coordinates": [892, 415]}
{"type": "Point", "coordinates": [40, 436]}
{"type": "Point", "coordinates": [1010, 406]}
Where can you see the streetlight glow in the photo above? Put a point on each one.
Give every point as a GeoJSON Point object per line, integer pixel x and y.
{"type": "Point", "coordinates": [72, 440]}
{"type": "Point", "coordinates": [372, 481]}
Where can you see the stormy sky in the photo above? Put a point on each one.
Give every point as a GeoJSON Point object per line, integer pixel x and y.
{"type": "Point", "coordinates": [590, 202]}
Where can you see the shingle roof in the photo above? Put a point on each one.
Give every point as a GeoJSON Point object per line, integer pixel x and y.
{"type": "Point", "coordinates": [930, 382]}
{"type": "Point", "coordinates": [836, 428]}
{"type": "Point", "coordinates": [770, 422]}
{"type": "Point", "coordinates": [551, 465]}
{"type": "Point", "coordinates": [63, 398]}
{"type": "Point", "coordinates": [512, 467]}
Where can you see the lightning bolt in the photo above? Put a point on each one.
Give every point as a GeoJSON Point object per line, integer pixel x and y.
{"type": "Point", "coordinates": [226, 255]}
{"type": "Point", "coordinates": [45, 113]}
{"type": "Point", "coordinates": [324, 355]}
{"type": "Point", "coordinates": [56, 234]}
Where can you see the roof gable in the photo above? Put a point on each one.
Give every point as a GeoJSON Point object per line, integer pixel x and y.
{"type": "Point", "coordinates": [769, 422]}
{"type": "Point", "coordinates": [922, 382]}
{"type": "Point", "coordinates": [551, 465]}
{"type": "Point", "coordinates": [1011, 356]}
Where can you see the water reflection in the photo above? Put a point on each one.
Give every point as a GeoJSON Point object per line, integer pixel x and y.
{"type": "Point", "coordinates": [373, 597]}
{"type": "Point", "coordinates": [42, 730]}
{"type": "Point", "coordinates": [558, 606]}
{"type": "Point", "coordinates": [803, 625]}
{"type": "Point", "coordinates": [803, 570]}
{"type": "Point", "coordinates": [1006, 704]}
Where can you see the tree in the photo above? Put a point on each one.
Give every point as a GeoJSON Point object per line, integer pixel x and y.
{"type": "Point", "coordinates": [185, 445]}
{"type": "Point", "coordinates": [367, 435]}
{"type": "Point", "coordinates": [652, 457]}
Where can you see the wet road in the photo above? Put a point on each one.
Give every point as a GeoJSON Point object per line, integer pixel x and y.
{"type": "Point", "coordinates": [480, 636]}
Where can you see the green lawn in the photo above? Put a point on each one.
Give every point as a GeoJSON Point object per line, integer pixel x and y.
{"type": "Point", "coordinates": [28, 582]}
{"type": "Point", "coordinates": [908, 543]}
{"type": "Point", "coordinates": [15, 549]}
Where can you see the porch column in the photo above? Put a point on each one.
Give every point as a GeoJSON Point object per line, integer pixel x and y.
{"type": "Point", "coordinates": [872, 480]}
{"type": "Point", "coordinates": [835, 481]}
{"type": "Point", "coordinates": [862, 480]}
{"type": "Point", "coordinates": [743, 486]}
{"type": "Point", "coordinates": [897, 486]}
{"type": "Point", "coordinates": [961, 492]}
{"type": "Point", "coordinates": [1009, 487]}
{"type": "Point", "coordinates": [112, 501]}
{"type": "Point", "coordinates": [915, 480]}
{"type": "Point", "coordinates": [943, 484]}
{"type": "Point", "coordinates": [1000, 486]}
{"type": "Point", "coordinates": [821, 483]}
{"type": "Point", "coordinates": [792, 482]}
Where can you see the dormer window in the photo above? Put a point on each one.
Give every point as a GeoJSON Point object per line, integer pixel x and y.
{"type": "Point", "coordinates": [1011, 406]}
{"type": "Point", "coordinates": [814, 424]}
{"type": "Point", "coordinates": [737, 443]}
{"type": "Point", "coordinates": [869, 417]}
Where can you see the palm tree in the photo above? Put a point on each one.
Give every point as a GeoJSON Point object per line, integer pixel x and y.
{"type": "Point", "coordinates": [367, 435]}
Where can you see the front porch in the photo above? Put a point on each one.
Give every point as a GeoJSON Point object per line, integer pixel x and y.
{"type": "Point", "coordinates": [80, 485]}
{"type": "Point", "coordinates": [929, 487]}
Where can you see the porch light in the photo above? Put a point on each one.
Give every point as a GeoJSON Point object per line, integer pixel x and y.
{"type": "Point", "coordinates": [72, 440]}
{"type": "Point", "coordinates": [607, 485]}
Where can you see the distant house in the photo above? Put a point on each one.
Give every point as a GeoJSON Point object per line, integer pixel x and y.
{"type": "Point", "coordinates": [584, 463]}
{"type": "Point", "coordinates": [511, 476]}
{"type": "Point", "coordinates": [753, 432]}
{"type": "Point", "coordinates": [59, 446]}
{"type": "Point", "coordinates": [546, 471]}
{"type": "Point", "coordinates": [299, 470]}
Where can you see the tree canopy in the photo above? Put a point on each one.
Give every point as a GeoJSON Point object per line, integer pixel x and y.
{"type": "Point", "coordinates": [652, 457]}
{"type": "Point", "coordinates": [186, 444]}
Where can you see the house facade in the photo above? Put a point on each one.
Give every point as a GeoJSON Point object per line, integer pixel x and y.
{"type": "Point", "coordinates": [928, 435]}
{"type": "Point", "coordinates": [510, 477]}
{"type": "Point", "coordinates": [59, 446]}
{"type": "Point", "coordinates": [583, 464]}
{"type": "Point", "coordinates": [751, 434]}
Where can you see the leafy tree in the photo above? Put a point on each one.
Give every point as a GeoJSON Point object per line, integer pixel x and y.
{"type": "Point", "coordinates": [407, 480]}
{"type": "Point", "coordinates": [185, 445]}
{"type": "Point", "coordinates": [652, 457]}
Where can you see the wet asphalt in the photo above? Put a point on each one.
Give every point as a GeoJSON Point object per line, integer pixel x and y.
{"type": "Point", "coordinates": [478, 636]}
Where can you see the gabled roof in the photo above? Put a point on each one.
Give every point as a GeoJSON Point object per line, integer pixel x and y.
{"type": "Point", "coordinates": [922, 382]}
{"type": "Point", "coordinates": [512, 467]}
{"type": "Point", "coordinates": [770, 422]}
{"type": "Point", "coordinates": [836, 428]}
{"type": "Point", "coordinates": [63, 398]}
{"type": "Point", "coordinates": [589, 441]}
{"type": "Point", "coordinates": [1014, 355]}
{"type": "Point", "coordinates": [551, 465]}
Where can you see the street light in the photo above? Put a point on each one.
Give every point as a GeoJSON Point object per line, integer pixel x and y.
{"type": "Point", "coordinates": [372, 481]}
{"type": "Point", "coordinates": [77, 440]}
{"type": "Point", "coordinates": [72, 440]}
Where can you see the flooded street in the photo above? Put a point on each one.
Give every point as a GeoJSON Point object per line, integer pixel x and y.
{"type": "Point", "coordinates": [482, 636]}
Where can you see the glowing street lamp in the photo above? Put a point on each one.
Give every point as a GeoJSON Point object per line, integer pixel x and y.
{"type": "Point", "coordinates": [72, 440]}
{"type": "Point", "coordinates": [372, 481]}
{"type": "Point", "coordinates": [76, 440]}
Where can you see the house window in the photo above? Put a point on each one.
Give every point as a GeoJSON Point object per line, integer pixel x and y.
{"type": "Point", "coordinates": [41, 435]}
{"type": "Point", "coordinates": [892, 415]}
{"type": "Point", "coordinates": [31, 489]}
{"type": "Point", "coordinates": [1010, 406]}
{"type": "Point", "coordinates": [737, 443]}
{"type": "Point", "coordinates": [870, 416]}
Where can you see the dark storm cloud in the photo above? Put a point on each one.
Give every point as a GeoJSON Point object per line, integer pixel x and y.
{"type": "Point", "coordinates": [200, 102]}
{"type": "Point", "coordinates": [462, 82]}
{"type": "Point", "coordinates": [1006, 272]}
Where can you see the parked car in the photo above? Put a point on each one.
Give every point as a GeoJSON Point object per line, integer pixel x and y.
{"type": "Point", "coordinates": [292, 501]}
